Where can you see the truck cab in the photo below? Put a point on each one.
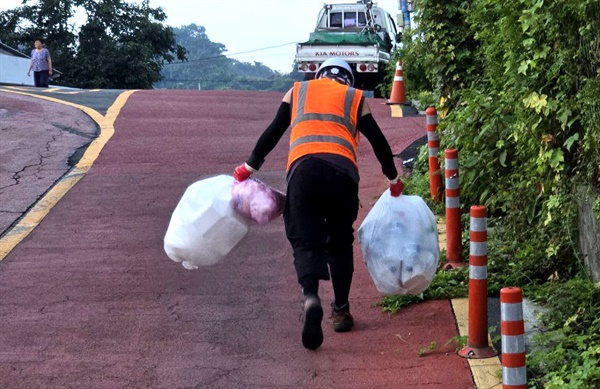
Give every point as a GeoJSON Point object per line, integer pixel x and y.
{"type": "Point", "coordinates": [353, 19]}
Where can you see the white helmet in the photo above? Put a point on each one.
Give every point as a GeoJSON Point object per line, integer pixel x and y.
{"type": "Point", "coordinates": [338, 69]}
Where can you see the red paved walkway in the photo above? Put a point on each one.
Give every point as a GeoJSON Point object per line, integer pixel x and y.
{"type": "Point", "coordinates": [89, 299]}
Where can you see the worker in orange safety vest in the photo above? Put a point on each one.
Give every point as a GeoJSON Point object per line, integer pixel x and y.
{"type": "Point", "coordinates": [326, 116]}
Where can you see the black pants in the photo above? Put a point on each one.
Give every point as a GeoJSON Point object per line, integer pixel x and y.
{"type": "Point", "coordinates": [40, 79]}
{"type": "Point", "coordinates": [321, 207]}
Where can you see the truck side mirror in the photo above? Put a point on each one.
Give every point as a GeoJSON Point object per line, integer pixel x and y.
{"type": "Point", "coordinates": [399, 37]}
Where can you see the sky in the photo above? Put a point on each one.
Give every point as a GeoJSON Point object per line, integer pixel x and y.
{"type": "Point", "coordinates": [249, 25]}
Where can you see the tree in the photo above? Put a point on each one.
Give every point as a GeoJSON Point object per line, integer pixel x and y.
{"type": "Point", "coordinates": [207, 67]}
{"type": "Point", "coordinates": [206, 64]}
{"type": "Point", "coordinates": [119, 45]}
{"type": "Point", "coordinates": [48, 20]}
{"type": "Point", "coordinates": [442, 47]}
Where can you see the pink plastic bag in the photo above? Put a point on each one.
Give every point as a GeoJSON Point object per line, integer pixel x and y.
{"type": "Point", "coordinates": [257, 201]}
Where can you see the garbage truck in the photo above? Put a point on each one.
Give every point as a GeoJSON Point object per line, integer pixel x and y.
{"type": "Point", "coordinates": [360, 33]}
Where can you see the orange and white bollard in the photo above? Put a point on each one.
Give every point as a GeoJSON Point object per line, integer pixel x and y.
{"type": "Point", "coordinates": [453, 224]}
{"type": "Point", "coordinates": [398, 95]}
{"type": "Point", "coordinates": [478, 345]}
{"type": "Point", "coordinates": [433, 144]}
{"type": "Point", "coordinates": [514, 374]}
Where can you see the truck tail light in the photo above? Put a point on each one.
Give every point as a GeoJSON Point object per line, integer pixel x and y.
{"type": "Point", "coordinates": [303, 67]}
{"type": "Point", "coordinates": [366, 68]}
{"type": "Point", "coordinates": [312, 67]}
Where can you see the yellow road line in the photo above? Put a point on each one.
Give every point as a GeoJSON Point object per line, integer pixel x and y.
{"type": "Point", "coordinates": [17, 88]}
{"type": "Point", "coordinates": [485, 371]}
{"type": "Point", "coordinates": [396, 111]}
{"type": "Point", "coordinates": [441, 225]}
{"type": "Point", "coordinates": [59, 91]}
{"type": "Point", "coordinates": [43, 206]}
{"type": "Point", "coordinates": [37, 213]}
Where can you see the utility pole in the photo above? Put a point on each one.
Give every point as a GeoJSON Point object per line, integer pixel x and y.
{"type": "Point", "coordinates": [406, 7]}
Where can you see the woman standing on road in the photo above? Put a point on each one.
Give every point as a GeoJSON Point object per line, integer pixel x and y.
{"type": "Point", "coordinates": [41, 63]}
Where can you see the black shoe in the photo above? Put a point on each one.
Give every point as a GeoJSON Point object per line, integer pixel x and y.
{"type": "Point", "coordinates": [312, 334]}
{"type": "Point", "coordinates": [342, 319]}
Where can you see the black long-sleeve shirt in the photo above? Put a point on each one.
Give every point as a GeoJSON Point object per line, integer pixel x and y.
{"type": "Point", "coordinates": [366, 125]}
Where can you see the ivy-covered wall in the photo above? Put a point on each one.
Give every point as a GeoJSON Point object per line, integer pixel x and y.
{"type": "Point", "coordinates": [589, 231]}
{"type": "Point", "coordinates": [521, 83]}
{"type": "Point", "coordinates": [521, 79]}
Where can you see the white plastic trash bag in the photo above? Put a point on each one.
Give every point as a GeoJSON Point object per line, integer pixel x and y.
{"type": "Point", "coordinates": [399, 241]}
{"type": "Point", "coordinates": [204, 227]}
{"type": "Point", "coordinates": [257, 201]}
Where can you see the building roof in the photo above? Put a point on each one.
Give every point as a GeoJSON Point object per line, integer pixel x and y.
{"type": "Point", "coordinates": [10, 51]}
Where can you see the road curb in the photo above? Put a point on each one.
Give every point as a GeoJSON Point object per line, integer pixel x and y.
{"type": "Point", "coordinates": [484, 371]}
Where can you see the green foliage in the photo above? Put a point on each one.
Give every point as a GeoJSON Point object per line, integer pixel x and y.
{"type": "Point", "coordinates": [208, 68]}
{"type": "Point", "coordinates": [119, 45]}
{"type": "Point", "coordinates": [418, 181]}
{"type": "Point", "coordinates": [520, 128]}
{"type": "Point", "coordinates": [413, 64]}
{"type": "Point", "coordinates": [522, 141]}
{"type": "Point", "coordinates": [567, 355]}
{"type": "Point", "coordinates": [395, 303]}
{"type": "Point", "coordinates": [424, 350]}
{"type": "Point", "coordinates": [47, 20]}
{"type": "Point", "coordinates": [458, 341]}
{"type": "Point", "coordinates": [590, 118]}
{"type": "Point", "coordinates": [425, 99]}
{"type": "Point", "coordinates": [125, 45]}
{"type": "Point", "coordinates": [442, 47]}
{"type": "Point", "coordinates": [524, 81]}
{"type": "Point", "coordinates": [384, 89]}
{"type": "Point", "coordinates": [445, 284]}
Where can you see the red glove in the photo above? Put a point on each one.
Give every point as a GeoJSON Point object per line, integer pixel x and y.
{"type": "Point", "coordinates": [396, 187]}
{"type": "Point", "coordinates": [242, 172]}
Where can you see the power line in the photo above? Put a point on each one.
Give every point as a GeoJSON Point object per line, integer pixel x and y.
{"type": "Point", "coordinates": [266, 48]}
{"type": "Point", "coordinates": [228, 81]}
{"type": "Point", "coordinates": [233, 54]}
{"type": "Point", "coordinates": [268, 55]}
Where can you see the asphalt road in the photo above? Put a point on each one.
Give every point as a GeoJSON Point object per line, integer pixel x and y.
{"type": "Point", "coordinates": [89, 299]}
{"type": "Point", "coordinates": [38, 140]}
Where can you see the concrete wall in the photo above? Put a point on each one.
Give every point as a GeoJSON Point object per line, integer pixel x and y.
{"type": "Point", "coordinates": [13, 70]}
{"type": "Point", "coordinates": [589, 231]}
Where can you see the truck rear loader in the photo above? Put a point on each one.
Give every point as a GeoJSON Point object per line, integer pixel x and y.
{"type": "Point", "coordinates": [362, 34]}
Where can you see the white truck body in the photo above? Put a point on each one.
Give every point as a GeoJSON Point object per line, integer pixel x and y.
{"type": "Point", "coordinates": [362, 34]}
{"type": "Point", "coordinates": [354, 54]}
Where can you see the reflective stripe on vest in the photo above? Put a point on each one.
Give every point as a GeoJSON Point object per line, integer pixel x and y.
{"type": "Point", "coordinates": [343, 120]}
{"type": "Point", "coordinates": [324, 138]}
{"type": "Point", "coordinates": [326, 123]}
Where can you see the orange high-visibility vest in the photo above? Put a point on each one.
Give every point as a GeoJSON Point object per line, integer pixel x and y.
{"type": "Point", "coordinates": [324, 119]}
